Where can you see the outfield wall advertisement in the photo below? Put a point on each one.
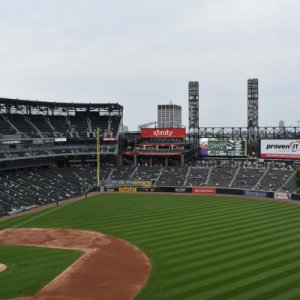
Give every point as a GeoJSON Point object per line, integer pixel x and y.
{"type": "Point", "coordinates": [283, 196]}
{"type": "Point", "coordinates": [127, 189]}
{"type": "Point", "coordinates": [204, 191]}
{"type": "Point", "coordinates": [286, 149]}
{"type": "Point", "coordinates": [222, 147]}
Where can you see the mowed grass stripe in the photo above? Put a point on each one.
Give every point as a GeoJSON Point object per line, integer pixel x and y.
{"type": "Point", "coordinates": [234, 242]}
{"type": "Point", "coordinates": [197, 245]}
{"type": "Point", "coordinates": [212, 282]}
{"type": "Point", "coordinates": [196, 222]}
{"type": "Point", "coordinates": [237, 264]}
{"type": "Point", "coordinates": [117, 214]}
{"type": "Point", "coordinates": [234, 287]}
{"type": "Point", "coordinates": [204, 235]}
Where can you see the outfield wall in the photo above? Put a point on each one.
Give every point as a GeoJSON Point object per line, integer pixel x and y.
{"type": "Point", "coordinates": [202, 191]}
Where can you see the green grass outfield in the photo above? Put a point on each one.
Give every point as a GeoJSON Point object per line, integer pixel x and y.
{"type": "Point", "coordinates": [201, 247]}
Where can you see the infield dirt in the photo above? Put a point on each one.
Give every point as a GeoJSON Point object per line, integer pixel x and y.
{"type": "Point", "coordinates": [109, 269]}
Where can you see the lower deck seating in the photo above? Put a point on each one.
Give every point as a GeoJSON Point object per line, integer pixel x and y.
{"type": "Point", "coordinates": [23, 189]}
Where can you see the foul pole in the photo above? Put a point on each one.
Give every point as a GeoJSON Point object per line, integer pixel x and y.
{"type": "Point", "coordinates": [98, 157]}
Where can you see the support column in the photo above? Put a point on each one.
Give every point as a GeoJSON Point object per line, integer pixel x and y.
{"type": "Point", "coordinates": [182, 160]}
{"type": "Point", "coordinates": [166, 161]}
{"type": "Point", "coordinates": [135, 159]}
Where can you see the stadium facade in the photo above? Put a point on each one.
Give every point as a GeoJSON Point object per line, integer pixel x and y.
{"type": "Point", "coordinates": [48, 153]}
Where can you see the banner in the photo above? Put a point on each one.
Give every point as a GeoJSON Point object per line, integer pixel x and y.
{"type": "Point", "coordinates": [284, 196]}
{"type": "Point", "coordinates": [110, 190]}
{"type": "Point", "coordinates": [289, 149]}
{"type": "Point", "coordinates": [109, 139]}
{"type": "Point", "coordinates": [127, 189]}
{"type": "Point", "coordinates": [203, 191]}
{"type": "Point", "coordinates": [163, 133]}
{"type": "Point", "coordinates": [141, 182]}
{"type": "Point", "coordinates": [173, 189]}
{"type": "Point", "coordinates": [256, 194]}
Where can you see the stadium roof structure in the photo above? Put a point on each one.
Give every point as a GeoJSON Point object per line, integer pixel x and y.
{"type": "Point", "coordinates": [9, 105]}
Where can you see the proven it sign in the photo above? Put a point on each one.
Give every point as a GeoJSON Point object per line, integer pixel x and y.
{"type": "Point", "coordinates": [163, 133]}
{"type": "Point", "coordinates": [280, 149]}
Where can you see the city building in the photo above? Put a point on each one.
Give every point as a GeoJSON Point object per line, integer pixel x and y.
{"type": "Point", "coordinates": [169, 115]}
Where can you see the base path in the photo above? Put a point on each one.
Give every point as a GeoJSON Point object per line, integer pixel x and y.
{"type": "Point", "coordinates": [110, 269]}
{"type": "Point", "coordinates": [2, 267]}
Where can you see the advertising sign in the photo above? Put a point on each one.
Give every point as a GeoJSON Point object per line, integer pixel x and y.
{"type": "Point", "coordinates": [287, 149]}
{"type": "Point", "coordinates": [141, 182]}
{"type": "Point", "coordinates": [203, 191]}
{"type": "Point", "coordinates": [256, 194]}
{"type": "Point", "coordinates": [180, 190]}
{"type": "Point", "coordinates": [109, 139]}
{"type": "Point", "coordinates": [58, 140]}
{"type": "Point", "coordinates": [222, 147]}
{"type": "Point", "coordinates": [127, 189]}
{"type": "Point", "coordinates": [284, 196]}
{"type": "Point", "coordinates": [110, 189]}
{"type": "Point", "coordinates": [163, 133]}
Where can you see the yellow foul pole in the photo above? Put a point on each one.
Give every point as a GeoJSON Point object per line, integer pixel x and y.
{"type": "Point", "coordinates": [98, 157]}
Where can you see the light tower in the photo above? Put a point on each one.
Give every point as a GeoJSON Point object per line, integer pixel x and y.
{"type": "Point", "coordinates": [252, 115]}
{"type": "Point", "coordinates": [193, 105]}
{"type": "Point", "coordinates": [193, 110]}
{"type": "Point", "coordinates": [253, 103]}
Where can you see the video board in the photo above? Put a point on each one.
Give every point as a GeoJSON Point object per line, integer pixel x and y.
{"type": "Point", "coordinates": [222, 147]}
{"type": "Point", "coordinates": [286, 149]}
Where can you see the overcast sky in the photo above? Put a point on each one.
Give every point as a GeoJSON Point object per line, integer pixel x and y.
{"type": "Point", "coordinates": [141, 53]}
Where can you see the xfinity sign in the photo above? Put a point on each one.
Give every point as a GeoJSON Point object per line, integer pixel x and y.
{"type": "Point", "coordinates": [163, 133]}
{"type": "Point", "coordinates": [286, 149]}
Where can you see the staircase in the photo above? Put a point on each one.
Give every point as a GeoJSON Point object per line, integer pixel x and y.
{"type": "Point", "coordinates": [208, 176]}
{"type": "Point", "coordinates": [260, 179]}
{"type": "Point", "coordinates": [234, 177]}
{"type": "Point", "coordinates": [187, 176]}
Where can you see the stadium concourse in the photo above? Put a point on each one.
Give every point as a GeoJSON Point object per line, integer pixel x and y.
{"type": "Point", "coordinates": [48, 154]}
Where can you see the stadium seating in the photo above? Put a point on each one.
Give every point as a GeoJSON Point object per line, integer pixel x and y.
{"type": "Point", "coordinates": [221, 176]}
{"type": "Point", "coordinates": [39, 121]}
{"type": "Point", "coordinates": [23, 125]}
{"type": "Point", "coordinates": [274, 180]}
{"type": "Point", "coordinates": [122, 172]}
{"type": "Point", "coordinates": [5, 127]}
{"type": "Point", "coordinates": [247, 178]}
{"type": "Point", "coordinates": [172, 176]}
{"type": "Point", "coordinates": [146, 173]}
{"type": "Point", "coordinates": [290, 185]}
{"type": "Point", "coordinates": [197, 176]}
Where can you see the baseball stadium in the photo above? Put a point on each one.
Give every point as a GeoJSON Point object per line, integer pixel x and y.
{"type": "Point", "coordinates": [89, 210]}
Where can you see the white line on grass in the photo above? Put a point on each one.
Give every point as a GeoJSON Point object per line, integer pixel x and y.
{"type": "Point", "coordinates": [40, 215]}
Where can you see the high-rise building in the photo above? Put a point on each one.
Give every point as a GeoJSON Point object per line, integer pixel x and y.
{"type": "Point", "coordinates": [281, 124]}
{"type": "Point", "coordinates": [193, 106]}
{"type": "Point", "coordinates": [169, 115]}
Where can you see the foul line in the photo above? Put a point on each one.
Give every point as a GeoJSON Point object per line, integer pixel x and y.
{"type": "Point", "coordinates": [47, 212]}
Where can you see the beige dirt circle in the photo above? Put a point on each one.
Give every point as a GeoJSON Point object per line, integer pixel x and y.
{"type": "Point", "coordinates": [3, 267]}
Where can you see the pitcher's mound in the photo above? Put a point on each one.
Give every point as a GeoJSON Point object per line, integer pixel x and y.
{"type": "Point", "coordinates": [3, 267]}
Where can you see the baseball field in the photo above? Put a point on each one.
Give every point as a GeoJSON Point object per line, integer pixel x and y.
{"type": "Point", "coordinates": [200, 247]}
